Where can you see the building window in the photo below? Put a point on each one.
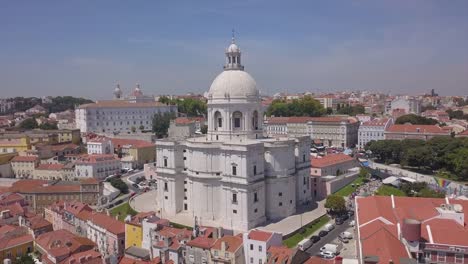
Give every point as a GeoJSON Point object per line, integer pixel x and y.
{"type": "Point", "coordinates": [280, 204]}
{"type": "Point", "coordinates": [280, 194]}
{"type": "Point", "coordinates": [234, 211]}
{"type": "Point", "coordinates": [251, 246]}
{"type": "Point", "coordinates": [185, 207]}
{"type": "Point", "coordinates": [165, 197]}
{"type": "Point", "coordinates": [459, 258]}
{"type": "Point", "coordinates": [441, 256]}
{"type": "Point", "coordinates": [237, 119]}
{"type": "Point", "coordinates": [234, 170]}
{"type": "Point", "coordinates": [234, 198]}
{"type": "Point", "coordinates": [255, 169]}
{"type": "Point", "coordinates": [255, 197]}
{"type": "Point", "coordinates": [165, 162]}
{"type": "Point", "coordinates": [165, 186]}
{"type": "Point", "coordinates": [256, 210]}
{"type": "Point", "coordinates": [251, 260]}
{"type": "Point", "coordinates": [259, 248]}
{"type": "Point", "coordinates": [303, 158]}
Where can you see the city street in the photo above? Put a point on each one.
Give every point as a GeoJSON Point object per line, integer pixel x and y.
{"type": "Point", "coordinates": [329, 238]}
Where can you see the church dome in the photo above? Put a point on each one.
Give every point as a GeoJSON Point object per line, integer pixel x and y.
{"type": "Point", "coordinates": [233, 48]}
{"type": "Point", "coordinates": [234, 84]}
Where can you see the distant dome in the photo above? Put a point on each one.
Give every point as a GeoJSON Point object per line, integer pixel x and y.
{"type": "Point", "coordinates": [233, 48]}
{"type": "Point", "coordinates": [235, 84]}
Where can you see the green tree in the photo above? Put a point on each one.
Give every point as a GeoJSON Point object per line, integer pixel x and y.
{"type": "Point", "coordinates": [190, 107]}
{"type": "Point", "coordinates": [335, 203]}
{"type": "Point", "coordinates": [48, 126]}
{"type": "Point", "coordinates": [29, 123]}
{"type": "Point", "coordinates": [351, 110]}
{"type": "Point", "coordinates": [141, 127]}
{"type": "Point", "coordinates": [25, 259]}
{"type": "Point", "coordinates": [133, 129]}
{"type": "Point", "coordinates": [161, 123]}
{"type": "Point", "coordinates": [119, 184]}
{"type": "Point", "coordinates": [306, 106]}
{"type": "Point", "coordinates": [415, 120]}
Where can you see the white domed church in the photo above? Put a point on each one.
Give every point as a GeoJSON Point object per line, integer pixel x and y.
{"type": "Point", "coordinates": [233, 177]}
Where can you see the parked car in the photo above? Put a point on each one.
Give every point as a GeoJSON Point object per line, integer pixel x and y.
{"type": "Point", "coordinates": [345, 217]}
{"type": "Point", "coordinates": [329, 227]}
{"type": "Point", "coordinates": [136, 186]}
{"type": "Point", "coordinates": [327, 255]}
{"type": "Point", "coordinates": [339, 221]}
{"type": "Point", "coordinates": [351, 213]}
{"type": "Point", "coordinates": [323, 233]}
{"type": "Point", "coordinates": [315, 239]}
{"type": "Point", "coordinates": [352, 223]}
{"type": "Point", "coordinates": [304, 244]}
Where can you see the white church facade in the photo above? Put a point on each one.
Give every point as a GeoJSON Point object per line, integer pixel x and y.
{"type": "Point", "coordinates": [233, 176]}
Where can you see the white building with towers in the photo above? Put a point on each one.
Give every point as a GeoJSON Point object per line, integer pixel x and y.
{"type": "Point", "coordinates": [232, 177]}
{"type": "Point", "coordinates": [133, 112]}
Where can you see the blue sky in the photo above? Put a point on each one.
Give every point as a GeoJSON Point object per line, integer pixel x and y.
{"type": "Point", "coordinates": [84, 47]}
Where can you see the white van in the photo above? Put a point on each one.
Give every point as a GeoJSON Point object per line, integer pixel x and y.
{"type": "Point", "coordinates": [304, 244]}
{"type": "Point", "coordinates": [335, 249]}
{"type": "Point", "coordinates": [329, 227]}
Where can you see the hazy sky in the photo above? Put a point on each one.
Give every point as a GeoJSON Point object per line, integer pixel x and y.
{"type": "Point", "coordinates": [84, 47]}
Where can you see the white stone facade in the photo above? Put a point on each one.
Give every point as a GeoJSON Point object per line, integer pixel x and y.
{"type": "Point", "coordinates": [100, 146]}
{"type": "Point", "coordinates": [118, 116]}
{"type": "Point", "coordinates": [233, 176]}
{"type": "Point", "coordinates": [373, 130]}
{"type": "Point", "coordinates": [97, 166]}
{"type": "Point", "coordinates": [408, 104]}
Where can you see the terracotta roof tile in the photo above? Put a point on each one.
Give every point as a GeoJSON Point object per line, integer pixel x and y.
{"type": "Point", "coordinates": [422, 129]}
{"type": "Point", "coordinates": [111, 224]}
{"type": "Point", "coordinates": [330, 159]}
{"type": "Point", "coordinates": [132, 143]}
{"type": "Point", "coordinates": [259, 235]}
{"type": "Point", "coordinates": [51, 166]}
{"type": "Point", "coordinates": [25, 159]}
{"type": "Point", "coordinates": [201, 242]}
{"type": "Point", "coordinates": [233, 243]}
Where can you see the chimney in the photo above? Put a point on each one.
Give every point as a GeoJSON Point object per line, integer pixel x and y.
{"type": "Point", "coordinates": [411, 230]}
{"type": "Point", "coordinates": [223, 246]}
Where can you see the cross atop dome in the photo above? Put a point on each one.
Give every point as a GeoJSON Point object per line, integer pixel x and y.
{"type": "Point", "coordinates": [233, 56]}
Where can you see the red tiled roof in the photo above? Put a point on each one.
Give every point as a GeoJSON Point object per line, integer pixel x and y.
{"type": "Point", "coordinates": [109, 223]}
{"type": "Point", "coordinates": [95, 158]}
{"type": "Point", "coordinates": [62, 147]}
{"type": "Point", "coordinates": [88, 257]}
{"type": "Point", "coordinates": [7, 198]}
{"type": "Point", "coordinates": [259, 235]}
{"type": "Point", "coordinates": [305, 119]}
{"type": "Point", "coordinates": [25, 159]}
{"type": "Point", "coordinates": [63, 243]}
{"type": "Point", "coordinates": [133, 143]}
{"type": "Point", "coordinates": [432, 129]}
{"type": "Point", "coordinates": [378, 220]}
{"type": "Point", "coordinates": [318, 260]}
{"type": "Point", "coordinates": [138, 218]}
{"type": "Point", "coordinates": [51, 166]}
{"type": "Point", "coordinates": [376, 122]}
{"type": "Point", "coordinates": [201, 242]}
{"type": "Point", "coordinates": [41, 186]}
{"type": "Point", "coordinates": [280, 254]}
{"type": "Point", "coordinates": [233, 243]}
{"type": "Point", "coordinates": [330, 159]}
{"type": "Point", "coordinates": [38, 222]}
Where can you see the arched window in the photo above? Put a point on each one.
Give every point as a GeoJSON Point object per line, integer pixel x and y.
{"type": "Point", "coordinates": [255, 120]}
{"type": "Point", "coordinates": [218, 119]}
{"type": "Point", "coordinates": [237, 119]}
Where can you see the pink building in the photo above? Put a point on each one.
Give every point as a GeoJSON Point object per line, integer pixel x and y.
{"type": "Point", "coordinates": [71, 216]}
{"type": "Point", "coordinates": [108, 233]}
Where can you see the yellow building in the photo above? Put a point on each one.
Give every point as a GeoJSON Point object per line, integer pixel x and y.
{"type": "Point", "coordinates": [134, 229]}
{"type": "Point", "coordinates": [15, 242]}
{"type": "Point", "coordinates": [137, 152]}
{"type": "Point", "coordinates": [14, 143]}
